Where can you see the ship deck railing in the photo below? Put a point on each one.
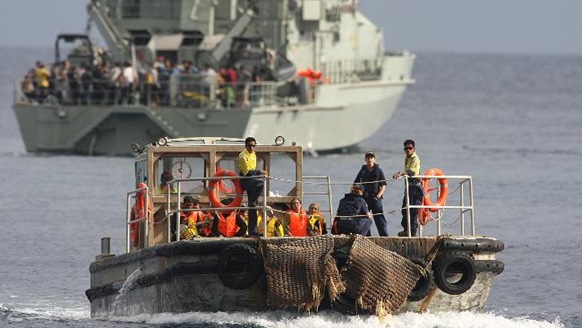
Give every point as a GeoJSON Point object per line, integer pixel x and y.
{"type": "Point", "coordinates": [459, 202]}
{"type": "Point", "coordinates": [459, 205]}
{"type": "Point", "coordinates": [193, 90]}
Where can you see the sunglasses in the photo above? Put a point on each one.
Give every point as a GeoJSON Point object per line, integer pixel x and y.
{"type": "Point", "coordinates": [408, 148]}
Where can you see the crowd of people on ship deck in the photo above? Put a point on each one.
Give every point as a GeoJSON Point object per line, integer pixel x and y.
{"type": "Point", "coordinates": [159, 83]}
{"type": "Point", "coordinates": [354, 214]}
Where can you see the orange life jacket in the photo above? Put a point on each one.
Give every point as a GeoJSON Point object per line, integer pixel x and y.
{"type": "Point", "coordinates": [298, 223]}
{"type": "Point", "coordinates": [227, 226]}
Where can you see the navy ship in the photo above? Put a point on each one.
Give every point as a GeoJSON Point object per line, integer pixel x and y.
{"type": "Point", "coordinates": [314, 70]}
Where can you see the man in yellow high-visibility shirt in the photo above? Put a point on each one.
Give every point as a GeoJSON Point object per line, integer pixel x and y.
{"type": "Point", "coordinates": [247, 166]}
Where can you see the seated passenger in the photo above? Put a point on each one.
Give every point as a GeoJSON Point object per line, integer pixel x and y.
{"type": "Point", "coordinates": [274, 226]}
{"type": "Point", "coordinates": [164, 179]}
{"type": "Point", "coordinates": [316, 224]}
{"type": "Point", "coordinates": [229, 224]}
{"type": "Point", "coordinates": [353, 216]}
{"type": "Point", "coordinates": [192, 222]}
{"type": "Point", "coordinates": [297, 219]}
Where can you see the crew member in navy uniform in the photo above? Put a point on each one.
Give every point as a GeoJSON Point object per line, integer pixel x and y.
{"type": "Point", "coordinates": [353, 216]}
{"type": "Point", "coordinates": [372, 178]}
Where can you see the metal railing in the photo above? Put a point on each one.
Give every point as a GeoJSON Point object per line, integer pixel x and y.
{"type": "Point", "coordinates": [146, 218]}
{"type": "Point", "coordinates": [464, 206]}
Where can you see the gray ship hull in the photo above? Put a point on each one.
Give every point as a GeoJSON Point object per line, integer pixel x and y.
{"type": "Point", "coordinates": [358, 111]}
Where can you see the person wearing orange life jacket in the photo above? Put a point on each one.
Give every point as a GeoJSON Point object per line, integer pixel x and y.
{"type": "Point", "coordinates": [193, 223]}
{"type": "Point", "coordinates": [230, 224]}
{"type": "Point", "coordinates": [316, 224]}
{"type": "Point", "coordinates": [274, 226]}
{"type": "Point", "coordinates": [297, 219]}
{"type": "Point", "coordinates": [138, 211]}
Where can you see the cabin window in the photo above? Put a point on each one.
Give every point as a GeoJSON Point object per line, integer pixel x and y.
{"type": "Point", "coordinates": [181, 167]}
{"type": "Point", "coordinates": [140, 172]}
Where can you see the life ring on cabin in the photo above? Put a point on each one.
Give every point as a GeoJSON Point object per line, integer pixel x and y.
{"type": "Point", "coordinates": [425, 283]}
{"type": "Point", "coordinates": [447, 269]}
{"type": "Point", "coordinates": [215, 185]}
{"type": "Point", "coordinates": [443, 190]}
{"type": "Point", "coordinates": [137, 213]}
{"type": "Point", "coordinates": [239, 266]}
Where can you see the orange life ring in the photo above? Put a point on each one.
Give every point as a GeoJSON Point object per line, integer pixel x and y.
{"type": "Point", "coordinates": [443, 190]}
{"type": "Point", "coordinates": [214, 187]}
{"type": "Point", "coordinates": [137, 212]}
{"type": "Point", "coordinates": [424, 216]}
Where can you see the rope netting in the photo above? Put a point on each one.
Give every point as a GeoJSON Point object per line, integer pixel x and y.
{"type": "Point", "coordinates": [300, 272]}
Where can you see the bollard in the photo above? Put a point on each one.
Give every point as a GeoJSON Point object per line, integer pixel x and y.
{"type": "Point", "coordinates": [105, 249]}
{"type": "Point", "coordinates": [105, 245]}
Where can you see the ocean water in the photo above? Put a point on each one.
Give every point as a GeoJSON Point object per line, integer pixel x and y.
{"type": "Point", "coordinates": [511, 121]}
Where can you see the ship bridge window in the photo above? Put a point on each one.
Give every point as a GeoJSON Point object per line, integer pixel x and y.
{"type": "Point", "coordinates": [180, 167]}
{"type": "Point", "coordinates": [167, 9]}
{"type": "Point", "coordinates": [228, 162]}
{"type": "Point", "coordinates": [130, 9]}
{"type": "Point", "coordinates": [284, 168]}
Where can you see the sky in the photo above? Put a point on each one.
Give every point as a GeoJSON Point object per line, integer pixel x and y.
{"type": "Point", "coordinates": [492, 26]}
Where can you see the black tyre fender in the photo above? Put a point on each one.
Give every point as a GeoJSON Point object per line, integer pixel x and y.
{"type": "Point", "coordinates": [239, 266]}
{"type": "Point", "coordinates": [425, 283]}
{"type": "Point", "coordinates": [448, 266]}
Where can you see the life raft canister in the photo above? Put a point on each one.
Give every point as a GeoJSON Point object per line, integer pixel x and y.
{"type": "Point", "coordinates": [214, 188]}
{"type": "Point", "coordinates": [443, 191]}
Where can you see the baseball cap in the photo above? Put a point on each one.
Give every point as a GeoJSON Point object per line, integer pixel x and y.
{"type": "Point", "coordinates": [358, 186]}
{"type": "Point", "coordinates": [370, 154]}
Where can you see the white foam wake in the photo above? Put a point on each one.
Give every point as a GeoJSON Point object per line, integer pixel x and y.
{"type": "Point", "coordinates": [281, 319]}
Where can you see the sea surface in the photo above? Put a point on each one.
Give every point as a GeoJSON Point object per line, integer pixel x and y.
{"type": "Point", "coordinates": [513, 122]}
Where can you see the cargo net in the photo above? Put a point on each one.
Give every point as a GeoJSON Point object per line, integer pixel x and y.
{"type": "Point", "coordinates": [377, 279]}
{"type": "Point", "coordinates": [300, 271]}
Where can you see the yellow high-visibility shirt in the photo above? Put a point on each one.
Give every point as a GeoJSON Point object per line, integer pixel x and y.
{"type": "Point", "coordinates": [246, 162]}
{"type": "Point", "coordinates": [412, 162]}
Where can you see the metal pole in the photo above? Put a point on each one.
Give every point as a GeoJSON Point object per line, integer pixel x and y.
{"type": "Point", "coordinates": [472, 209]}
{"type": "Point", "coordinates": [462, 200]}
{"type": "Point", "coordinates": [331, 214]}
{"type": "Point", "coordinates": [264, 206]}
{"type": "Point", "coordinates": [178, 213]}
{"type": "Point", "coordinates": [407, 196]}
{"type": "Point", "coordinates": [146, 241]}
{"type": "Point", "coordinates": [127, 219]}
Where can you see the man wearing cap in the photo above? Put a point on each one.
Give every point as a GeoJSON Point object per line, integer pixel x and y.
{"type": "Point", "coordinates": [353, 216]}
{"type": "Point", "coordinates": [372, 178]}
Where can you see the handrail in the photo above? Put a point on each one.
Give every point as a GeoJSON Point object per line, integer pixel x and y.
{"type": "Point", "coordinates": [327, 193]}
{"type": "Point", "coordinates": [462, 207]}
{"type": "Point", "coordinates": [130, 195]}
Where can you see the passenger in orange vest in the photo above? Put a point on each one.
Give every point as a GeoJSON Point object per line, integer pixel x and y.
{"type": "Point", "coordinates": [297, 219]}
{"type": "Point", "coordinates": [193, 223]}
{"type": "Point", "coordinates": [229, 224]}
{"type": "Point", "coordinates": [316, 224]}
